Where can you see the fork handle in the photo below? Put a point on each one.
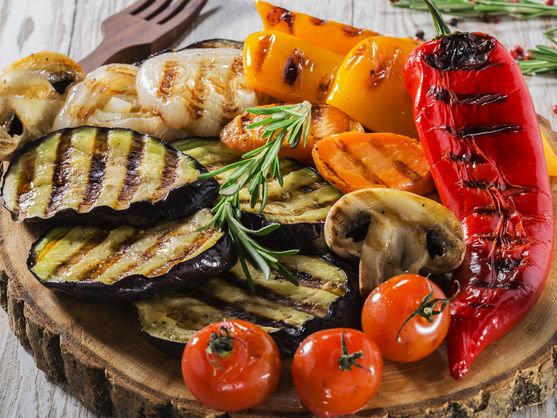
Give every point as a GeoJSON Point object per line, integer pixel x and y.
{"type": "Point", "coordinates": [108, 52]}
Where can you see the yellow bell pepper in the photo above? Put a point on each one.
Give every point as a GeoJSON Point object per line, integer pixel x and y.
{"type": "Point", "coordinates": [369, 86]}
{"type": "Point", "coordinates": [288, 68]}
{"type": "Point", "coordinates": [550, 157]}
{"type": "Point", "coordinates": [333, 36]}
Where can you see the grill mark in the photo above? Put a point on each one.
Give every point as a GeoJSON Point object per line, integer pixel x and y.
{"type": "Point", "coordinates": [278, 15]}
{"type": "Point", "coordinates": [132, 179]}
{"type": "Point", "coordinates": [96, 170]}
{"type": "Point", "coordinates": [407, 171]}
{"type": "Point", "coordinates": [268, 294]}
{"type": "Point", "coordinates": [25, 192]}
{"type": "Point", "coordinates": [293, 68]}
{"type": "Point", "coordinates": [477, 99]}
{"type": "Point", "coordinates": [169, 173]}
{"type": "Point", "coordinates": [62, 169]}
{"type": "Point", "coordinates": [462, 51]}
{"type": "Point", "coordinates": [262, 51]}
{"type": "Point", "coordinates": [195, 245]}
{"type": "Point", "coordinates": [470, 132]}
{"type": "Point", "coordinates": [359, 163]}
{"type": "Point", "coordinates": [196, 105]}
{"type": "Point", "coordinates": [98, 270]}
{"type": "Point", "coordinates": [80, 254]}
{"type": "Point", "coordinates": [311, 281]}
{"type": "Point", "coordinates": [470, 158]}
{"type": "Point", "coordinates": [169, 76]}
{"type": "Point", "coordinates": [229, 105]}
{"type": "Point", "coordinates": [237, 311]}
{"type": "Point", "coordinates": [352, 31]}
{"type": "Point", "coordinates": [316, 21]}
{"type": "Point", "coordinates": [40, 256]}
{"type": "Point", "coordinates": [486, 210]}
{"type": "Point", "coordinates": [334, 172]}
{"type": "Point", "coordinates": [477, 184]}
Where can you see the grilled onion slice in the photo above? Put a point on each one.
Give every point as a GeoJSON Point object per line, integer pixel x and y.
{"type": "Point", "coordinates": [326, 297]}
{"type": "Point", "coordinates": [130, 263]}
{"type": "Point", "coordinates": [104, 176]}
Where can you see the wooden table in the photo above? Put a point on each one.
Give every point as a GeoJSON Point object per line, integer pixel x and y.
{"type": "Point", "coordinates": [73, 27]}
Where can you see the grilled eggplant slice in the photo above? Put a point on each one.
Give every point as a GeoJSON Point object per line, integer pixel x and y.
{"type": "Point", "coordinates": [300, 205]}
{"type": "Point", "coordinates": [327, 297]}
{"type": "Point", "coordinates": [104, 176]}
{"type": "Point", "coordinates": [130, 263]}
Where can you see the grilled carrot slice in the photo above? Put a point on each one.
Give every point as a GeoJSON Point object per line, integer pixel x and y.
{"type": "Point", "coordinates": [328, 34]}
{"type": "Point", "coordinates": [325, 121]}
{"type": "Point", "coordinates": [355, 160]}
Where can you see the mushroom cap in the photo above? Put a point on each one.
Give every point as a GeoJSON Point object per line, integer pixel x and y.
{"type": "Point", "coordinates": [394, 232]}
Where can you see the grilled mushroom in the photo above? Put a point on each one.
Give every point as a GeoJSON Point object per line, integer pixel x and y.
{"type": "Point", "coordinates": [31, 94]}
{"type": "Point", "coordinates": [394, 232]}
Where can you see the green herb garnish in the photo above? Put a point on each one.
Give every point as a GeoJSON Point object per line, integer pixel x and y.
{"type": "Point", "coordinates": [526, 9]}
{"type": "Point", "coordinates": [288, 123]}
{"type": "Point", "coordinates": [542, 59]}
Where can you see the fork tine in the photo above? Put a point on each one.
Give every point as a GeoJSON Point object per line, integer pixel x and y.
{"type": "Point", "coordinates": [136, 7]}
{"type": "Point", "coordinates": [154, 9]}
{"type": "Point", "coordinates": [183, 13]}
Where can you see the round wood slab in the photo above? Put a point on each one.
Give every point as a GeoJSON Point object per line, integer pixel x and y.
{"type": "Point", "coordinates": [98, 351]}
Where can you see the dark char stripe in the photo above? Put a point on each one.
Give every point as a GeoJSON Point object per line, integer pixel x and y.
{"type": "Point", "coordinates": [80, 254]}
{"type": "Point", "coordinates": [407, 171]}
{"type": "Point", "coordinates": [360, 164]}
{"type": "Point", "coordinates": [235, 311]}
{"type": "Point", "coordinates": [62, 170]}
{"type": "Point", "coordinates": [132, 179]}
{"type": "Point", "coordinates": [470, 132]}
{"type": "Point", "coordinates": [462, 51]}
{"type": "Point", "coordinates": [96, 170]}
{"type": "Point", "coordinates": [479, 99]}
{"type": "Point", "coordinates": [25, 193]}
{"type": "Point", "coordinates": [169, 173]}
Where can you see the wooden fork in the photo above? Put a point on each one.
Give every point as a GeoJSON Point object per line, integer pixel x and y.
{"type": "Point", "coordinates": [145, 27]}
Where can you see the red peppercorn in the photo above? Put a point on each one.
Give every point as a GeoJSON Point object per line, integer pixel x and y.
{"type": "Point", "coordinates": [550, 2]}
{"type": "Point", "coordinates": [517, 52]}
{"type": "Point", "coordinates": [555, 109]}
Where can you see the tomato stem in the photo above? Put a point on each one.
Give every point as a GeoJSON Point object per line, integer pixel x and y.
{"type": "Point", "coordinates": [220, 344]}
{"type": "Point", "coordinates": [427, 308]}
{"type": "Point", "coordinates": [347, 360]}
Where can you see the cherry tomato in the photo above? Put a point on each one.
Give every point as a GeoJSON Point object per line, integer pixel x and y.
{"type": "Point", "coordinates": [231, 365]}
{"type": "Point", "coordinates": [337, 371]}
{"type": "Point", "coordinates": [410, 298]}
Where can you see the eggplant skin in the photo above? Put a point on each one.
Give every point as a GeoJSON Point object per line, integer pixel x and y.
{"type": "Point", "coordinates": [179, 202]}
{"type": "Point", "coordinates": [214, 260]}
{"type": "Point", "coordinates": [342, 312]}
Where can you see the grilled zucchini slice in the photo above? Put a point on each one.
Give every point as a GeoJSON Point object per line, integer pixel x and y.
{"type": "Point", "coordinates": [130, 263]}
{"type": "Point", "coordinates": [301, 205]}
{"type": "Point", "coordinates": [104, 176]}
{"type": "Point", "coordinates": [327, 297]}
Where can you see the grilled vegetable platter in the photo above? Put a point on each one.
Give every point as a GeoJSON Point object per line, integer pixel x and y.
{"type": "Point", "coordinates": [319, 219]}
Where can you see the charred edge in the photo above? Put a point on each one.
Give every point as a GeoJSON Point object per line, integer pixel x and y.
{"type": "Point", "coordinates": [461, 51]}
{"type": "Point", "coordinates": [470, 132]}
{"type": "Point", "coordinates": [96, 170]}
{"type": "Point", "coordinates": [407, 171]}
{"type": "Point", "coordinates": [359, 163]}
{"type": "Point", "coordinates": [81, 253]}
{"type": "Point", "coordinates": [196, 107]}
{"type": "Point", "coordinates": [132, 179]}
{"type": "Point", "coordinates": [316, 21]}
{"type": "Point", "coordinates": [62, 168]}
{"type": "Point", "coordinates": [231, 310]}
{"type": "Point", "coordinates": [25, 190]}
{"type": "Point", "coordinates": [268, 294]}
{"type": "Point", "coordinates": [262, 51]}
{"type": "Point", "coordinates": [278, 15]}
{"type": "Point", "coordinates": [352, 31]}
{"type": "Point", "coordinates": [293, 68]}
{"type": "Point", "coordinates": [169, 173]}
{"type": "Point", "coordinates": [479, 99]}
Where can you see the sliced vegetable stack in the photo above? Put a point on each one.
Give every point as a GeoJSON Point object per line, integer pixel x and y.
{"type": "Point", "coordinates": [104, 176]}
{"type": "Point", "coordinates": [326, 297]}
{"type": "Point", "coordinates": [130, 263]}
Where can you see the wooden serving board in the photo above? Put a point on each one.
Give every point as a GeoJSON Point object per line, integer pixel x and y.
{"type": "Point", "coordinates": [98, 351]}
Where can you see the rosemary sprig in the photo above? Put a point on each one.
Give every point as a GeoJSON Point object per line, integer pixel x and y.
{"type": "Point", "coordinates": [288, 123]}
{"type": "Point", "coordinates": [525, 9]}
{"type": "Point", "coordinates": [542, 59]}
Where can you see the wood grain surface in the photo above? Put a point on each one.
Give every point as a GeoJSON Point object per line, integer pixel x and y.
{"type": "Point", "coordinates": [73, 27]}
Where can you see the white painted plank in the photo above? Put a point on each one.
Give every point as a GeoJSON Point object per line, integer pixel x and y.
{"type": "Point", "coordinates": [32, 25]}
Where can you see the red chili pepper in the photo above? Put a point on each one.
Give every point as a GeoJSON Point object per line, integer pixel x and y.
{"type": "Point", "coordinates": [477, 124]}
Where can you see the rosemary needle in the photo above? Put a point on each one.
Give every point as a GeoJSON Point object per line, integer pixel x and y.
{"type": "Point", "coordinates": [542, 59]}
{"type": "Point", "coordinates": [288, 123]}
{"type": "Point", "coordinates": [527, 9]}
